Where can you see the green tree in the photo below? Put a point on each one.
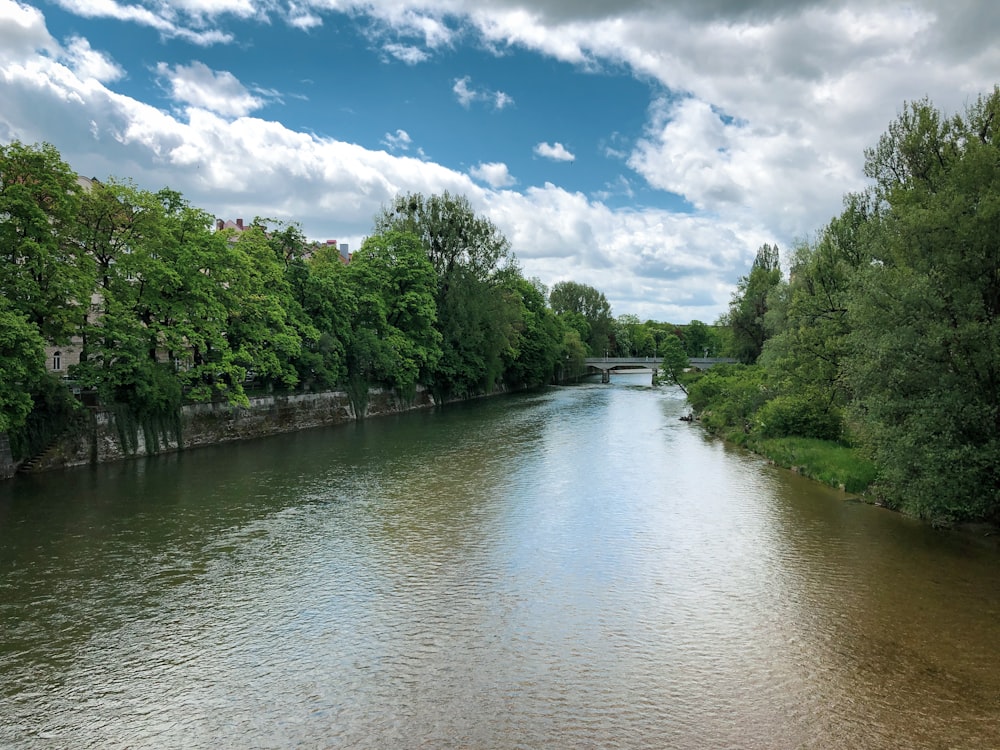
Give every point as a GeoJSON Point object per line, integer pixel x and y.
{"type": "Point", "coordinates": [925, 314]}
{"type": "Point", "coordinates": [809, 325]}
{"type": "Point", "coordinates": [183, 296]}
{"type": "Point", "coordinates": [395, 341]}
{"type": "Point", "coordinates": [749, 304]}
{"type": "Point", "coordinates": [260, 331]}
{"type": "Point", "coordinates": [697, 339]}
{"type": "Point", "coordinates": [22, 364]}
{"type": "Point", "coordinates": [453, 236]}
{"type": "Point", "coordinates": [674, 361]}
{"type": "Point", "coordinates": [44, 274]}
{"type": "Point", "coordinates": [572, 298]}
{"type": "Point", "coordinates": [319, 284]}
{"type": "Point", "coordinates": [120, 229]}
{"type": "Point", "coordinates": [477, 315]}
{"type": "Point", "coordinates": [574, 353]}
{"type": "Point", "coordinates": [538, 351]}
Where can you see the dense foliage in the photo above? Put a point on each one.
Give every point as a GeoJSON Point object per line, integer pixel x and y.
{"type": "Point", "coordinates": [886, 335]}
{"type": "Point", "coordinates": [163, 308]}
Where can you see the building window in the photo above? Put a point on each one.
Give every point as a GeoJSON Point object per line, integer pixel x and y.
{"type": "Point", "coordinates": [57, 361]}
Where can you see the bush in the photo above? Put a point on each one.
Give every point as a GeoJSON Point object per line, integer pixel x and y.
{"type": "Point", "coordinates": [799, 414]}
{"type": "Point", "coordinates": [728, 397]}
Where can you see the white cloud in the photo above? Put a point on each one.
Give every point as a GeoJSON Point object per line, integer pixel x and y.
{"type": "Point", "coordinates": [398, 141]}
{"type": "Point", "coordinates": [467, 95]}
{"type": "Point", "coordinates": [88, 63]}
{"type": "Point", "coordinates": [462, 91]}
{"type": "Point", "coordinates": [218, 91]}
{"type": "Point", "coordinates": [554, 151]}
{"type": "Point", "coordinates": [164, 18]}
{"type": "Point", "coordinates": [22, 31]}
{"type": "Point", "coordinates": [301, 18]}
{"type": "Point", "coordinates": [779, 100]}
{"type": "Point", "coordinates": [494, 174]}
{"type": "Point", "coordinates": [502, 100]}
{"type": "Point", "coordinates": [406, 53]}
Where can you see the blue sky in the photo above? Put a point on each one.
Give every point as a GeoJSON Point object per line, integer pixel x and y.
{"type": "Point", "coordinates": [644, 148]}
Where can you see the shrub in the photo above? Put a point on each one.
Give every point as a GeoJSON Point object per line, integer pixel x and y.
{"type": "Point", "coordinates": [799, 414]}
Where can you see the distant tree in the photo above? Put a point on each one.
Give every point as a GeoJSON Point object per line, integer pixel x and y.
{"type": "Point", "coordinates": [674, 361]}
{"type": "Point", "coordinates": [572, 298]}
{"type": "Point", "coordinates": [477, 315]}
{"type": "Point", "coordinates": [749, 304]}
{"type": "Point", "coordinates": [697, 339]}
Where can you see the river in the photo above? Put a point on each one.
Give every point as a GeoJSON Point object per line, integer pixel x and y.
{"type": "Point", "coordinates": [574, 568]}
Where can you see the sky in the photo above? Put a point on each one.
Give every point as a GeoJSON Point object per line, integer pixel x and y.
{"type": "Point", "coordinates": [646, 148]}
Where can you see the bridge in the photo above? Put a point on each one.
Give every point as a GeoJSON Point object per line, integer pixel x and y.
{"type": "Point", "coordinates": [606, 365]}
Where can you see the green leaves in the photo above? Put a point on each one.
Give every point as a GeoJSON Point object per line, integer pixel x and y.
{"type": "Point", "coordinates": [749, 305]}
{"type": "Point", "coordinates": [21, 365]}
{"type": "Point", "coordinates": [394, 339]}
{"type": "Point", "coordinates": [925, 361]}
{"type": "Point", "coordinates": [43, 272]}
{"type": "Point", "coordinates": [574, 301]}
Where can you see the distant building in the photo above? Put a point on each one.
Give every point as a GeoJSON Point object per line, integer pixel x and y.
{"type": "Point", "coordinates": [342, 250]}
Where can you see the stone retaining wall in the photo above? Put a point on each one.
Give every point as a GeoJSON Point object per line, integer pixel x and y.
{"type": "Point", "coordinates": [211, 424]}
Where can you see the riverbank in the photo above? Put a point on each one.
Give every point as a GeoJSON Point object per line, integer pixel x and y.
{"type": "Point", "coordinates": [99, 437]}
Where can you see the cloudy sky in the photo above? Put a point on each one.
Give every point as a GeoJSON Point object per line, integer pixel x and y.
{"type": "Point", "coordinates": [644, 147]}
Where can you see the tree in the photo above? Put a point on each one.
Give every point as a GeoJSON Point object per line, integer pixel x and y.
{"type": "Point", "coordinates": [120, 229]}
{"type": "Point", "coordinates": [633, 338]}
{"type": "Point", "coordinates": [44, 274]}
{"type": "Point", "coordinates": [749, 304]}
{"type": "Point", "coordinates": [22, 363]}
{"type": "Point", "coordinates": [572, 298]}
{"type": "Point", "coordinates": [320, 287]}
{"type": "Point", "coordinates": [262, 337]}
{"type": "Point", "coordinates": [452, 234]}
{"type": "Point", "coordinates": [809, 326]}
{"type": "Point", "coordinates": [394, 339]}
{"type": "Point", "coordinates": [674, 361]}
{"type": "Point", "coordinates": [186, 287]}
{"type": "Point", "coordinates": [477, 315]}
{"type": "Point", "coordinates": [925, 314]}
{"type": "Point", "coordinates": [697, 339]}
{"type": "Point", "coordinates": [538, 350]}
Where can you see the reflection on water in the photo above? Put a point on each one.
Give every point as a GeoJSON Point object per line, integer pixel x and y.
{"type": "Point", "coordinates": [574, 568]}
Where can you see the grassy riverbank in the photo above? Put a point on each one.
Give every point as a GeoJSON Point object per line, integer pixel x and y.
{"type": "Point", "coordinates": [733, 402]}
{"type": "Point", "coordinates": [825, 461]}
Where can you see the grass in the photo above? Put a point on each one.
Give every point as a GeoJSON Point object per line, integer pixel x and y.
{"type": "Point", "coordinates": [832, 463]}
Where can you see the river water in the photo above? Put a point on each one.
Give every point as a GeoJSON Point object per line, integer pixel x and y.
{"type": "Point", "coordinates": [575, 568]}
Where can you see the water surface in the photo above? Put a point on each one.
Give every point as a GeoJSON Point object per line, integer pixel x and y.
{"type": "Point", "coordinates": [572, 568]}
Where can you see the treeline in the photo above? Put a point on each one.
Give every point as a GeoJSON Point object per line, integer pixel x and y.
{"type": "Point", "coordinates": [884, 339]}
{"type": "Point", "coordinates": [165, 309]}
